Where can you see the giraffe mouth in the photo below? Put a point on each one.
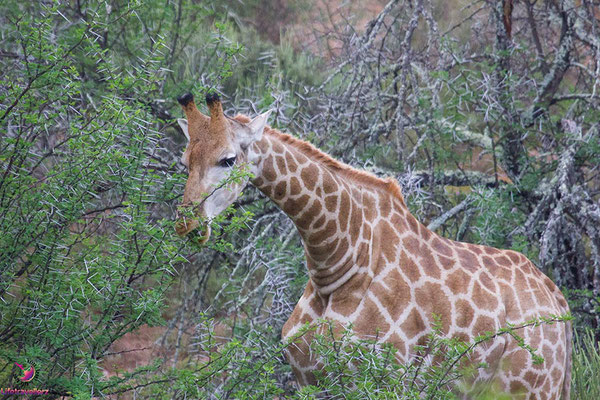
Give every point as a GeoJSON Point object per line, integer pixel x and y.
{"type": "Point", "coordinates": [197, 231]}
{"type": "Point", "coordinates": [200, 235]}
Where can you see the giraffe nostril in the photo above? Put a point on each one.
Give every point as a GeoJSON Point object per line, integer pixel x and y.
{"type": "Point", "coordinates": [185, 225]}
{"type": "Point", "coordinates": [195, 228]}
{"type": "Point", "coordinates": [183, 210]}
{"type": "Point", "coordinates": [186, 221]}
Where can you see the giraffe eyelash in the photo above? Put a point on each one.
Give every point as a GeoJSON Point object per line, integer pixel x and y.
{"type": "Point", "coordinates": [227, 162]}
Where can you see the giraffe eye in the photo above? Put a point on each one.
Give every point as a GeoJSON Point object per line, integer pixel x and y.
{"type": "Point", "coordinates": [227, 162]}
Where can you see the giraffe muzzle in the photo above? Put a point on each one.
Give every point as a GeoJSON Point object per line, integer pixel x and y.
{"type": "Point", "coordinates": [196, 229]}
{"type": "Point", "coordinates": [200, 235]}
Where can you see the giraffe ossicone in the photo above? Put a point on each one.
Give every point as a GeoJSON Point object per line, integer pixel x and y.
{"type": "Point", "coordinates": [372, 264]}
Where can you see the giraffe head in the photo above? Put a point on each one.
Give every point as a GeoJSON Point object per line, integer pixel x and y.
{"type": "Point", "coordinates": [216, 144]}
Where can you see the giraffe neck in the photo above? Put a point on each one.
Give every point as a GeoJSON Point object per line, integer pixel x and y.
{"type": "Point", "coordinates": [334, 213]}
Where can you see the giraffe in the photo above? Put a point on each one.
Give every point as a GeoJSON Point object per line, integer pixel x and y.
{"type": "Point", "coordinates": [371, 263]}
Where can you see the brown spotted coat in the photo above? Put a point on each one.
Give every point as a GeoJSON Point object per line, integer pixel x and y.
{"type": "Point", "coordinates": [373, 265]}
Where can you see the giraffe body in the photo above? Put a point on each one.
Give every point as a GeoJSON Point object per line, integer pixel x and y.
{"type": "Point", "coordinates": [373, 265]}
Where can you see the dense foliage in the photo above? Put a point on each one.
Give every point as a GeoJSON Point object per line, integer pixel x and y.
{"type": "Point", "coordinates": [488, 117]}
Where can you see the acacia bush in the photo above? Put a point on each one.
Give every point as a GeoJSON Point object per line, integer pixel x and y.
{"type": "Point", "coordinates": [87, 243]}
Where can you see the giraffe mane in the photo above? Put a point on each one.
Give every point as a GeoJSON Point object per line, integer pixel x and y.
{"type": "Point", "coordinates": [388, 184]}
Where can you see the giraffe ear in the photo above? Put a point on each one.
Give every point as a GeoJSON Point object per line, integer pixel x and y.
{"type": "Point", "coordinates": [183, 124]}
{"type": "Point", "coordinates": [257, 125]}
{"type": "Point", "coordinates": [253, 130]}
